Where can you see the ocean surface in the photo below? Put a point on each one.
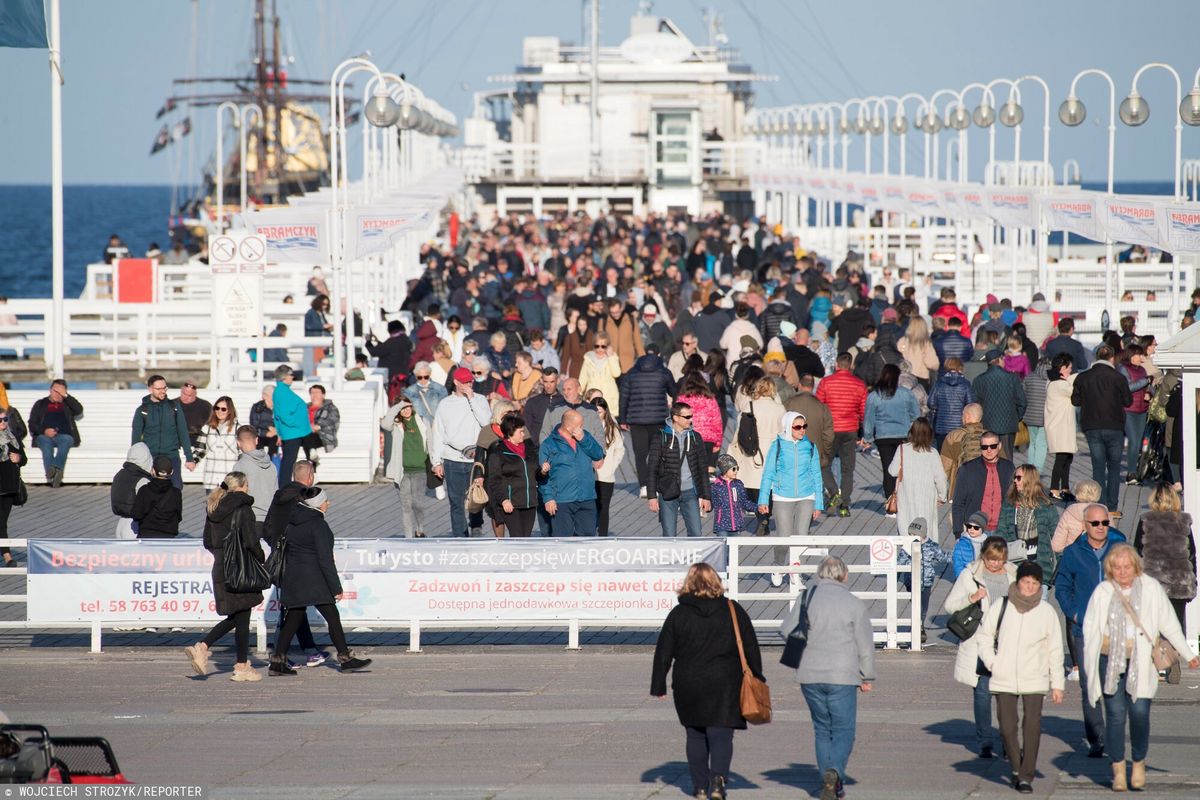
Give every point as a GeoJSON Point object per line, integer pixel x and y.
{"type": "Point", "coordinates": [139, 215]}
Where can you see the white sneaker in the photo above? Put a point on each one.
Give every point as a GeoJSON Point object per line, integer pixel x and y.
{"type": "Point", "coordinates": [777, 579]}
{"type": "Point", "coordinates": [440, 493]}
{"type": "Point", "coordinates": [1073, 675]}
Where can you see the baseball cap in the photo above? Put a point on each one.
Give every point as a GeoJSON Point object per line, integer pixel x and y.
{"type": "Point", "coordinates": [463, 375]}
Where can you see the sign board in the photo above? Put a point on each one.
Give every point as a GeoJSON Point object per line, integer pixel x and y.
{"type": "Point", "coordinates": [133, 280]}
{"type": "Point", "coordinates": [238, 261]}
{"type": "Point", "coordinates": [883, 556]}
{"type": "Point", "coordinates": [382, 579]}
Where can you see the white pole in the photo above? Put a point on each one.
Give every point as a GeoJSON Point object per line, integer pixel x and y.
{"type": "Point", "coordinates": [57, 327]}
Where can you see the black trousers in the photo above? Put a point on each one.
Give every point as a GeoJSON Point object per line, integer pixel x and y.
{"type": "Point", "coordinates": [239, 623]}
{"type": "Point", "coordinates": [291, 449]}
{"type": "Point", "coordinates": [887, 451]}
{"type": "Point", "coordinates": [519, 523]}
{"type": "Point", "coordinates": [310, 443]}
{"type": "Point", "coordinates": [291, 624]}
{"type": "Point", "coordinates": [303, 634]}
{"type": "Point", "coordinates": [1060, 473]}
{"type": "Point", "coordinates": [6, 507]}
{"type": "Point", "coordinates": [268, 444]}
{"type": "Point", "coordinates": [641, 435]}
{"type": "Point", "coordinates": [604, 493]}
{"type": "Point", "coordinates": [709, 753]}
{"type": "Point", "coordinates": [1023, 752]}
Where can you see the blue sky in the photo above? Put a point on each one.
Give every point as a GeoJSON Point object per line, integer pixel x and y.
{"type": "Point", "coordinates": [120, 57]}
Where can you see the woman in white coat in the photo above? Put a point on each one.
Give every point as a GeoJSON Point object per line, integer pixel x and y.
{"type": "Point", "coordinates": [923, 487]}
{"type": "Point", "coordinates": [405, 467]}
{"type": "Point", "coordinates": [1060, 423]}
{"type": "Point", "coordinates": [1118, 654]}
{"type": "Point", "coordinates": [984, 581]}
{"type": "Point", "coordinates": [757, 397]}
{"type": "Point", "coordinates": [600, 370]}
{"type": "Point", "coordinates": [606, 476]}
{"type": "Point", "coordinates": [217, 445]}
{"type": "Point", "coordinates": [1021, 643]}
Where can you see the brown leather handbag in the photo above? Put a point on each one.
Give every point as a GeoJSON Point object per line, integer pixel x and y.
{"type": "Point", "coordinates": [892, 503]}
{"type": "Point", "coordinates": [755, 698]}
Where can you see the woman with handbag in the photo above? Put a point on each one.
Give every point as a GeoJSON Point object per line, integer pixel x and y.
{"type": "Point", "coordinates": [230, 510]}
{"type": "Point", "coordinates": [890, 413]}
{"type": "Point", "coordinates": [12, 489]}
{"type": "Point", "coordinates": [310, 578]}
{"type": "Point", "coordinates": [704, 643]}
{"type": "Point", "coordinates": [838, 663]}
{"type": "Point", "coordinates": [984, 582]}
{"type": "Point", "coordinates": [477, 495]}
{"type": "Point", "coordinates": [512, 469]}
{"type": "Point", "coordinates": [1129, 630]}
{"type": "Point", "coordinates": [1020, 643]}
{"type": "Point", "coordinates": [920, 479]}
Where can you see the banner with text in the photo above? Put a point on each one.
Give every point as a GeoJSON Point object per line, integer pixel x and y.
{"type": "Point", "coordinates": [383, 579]}
{"type": "Point", "coordinates": [295, 235]}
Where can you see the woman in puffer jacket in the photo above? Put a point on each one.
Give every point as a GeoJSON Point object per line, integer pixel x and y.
{"type": "Point", "coordinates": [792, 479]}
{"type": "Point", "coordinates": [706, 413]}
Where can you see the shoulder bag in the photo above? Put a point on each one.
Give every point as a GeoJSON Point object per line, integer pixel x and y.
{"type": "Point", "coordinates": [22, 495]}
{"type": "Point", "coordinates": [477, 496]}
{"type": "Point", "coordinates": [793, 648]}
{"type": "Point", "coordinates": [275, 560]}
{"type": "Point", "coordinates": [980, 669]}
{"type": "Point", "coordinates": [964, 622]}
{"type": "Point", "coordinates": [892, 503]}
{"type": "Point", "coordinates": [755, 697]}
{"type": "Point", "coordinates": [243, 572]}
{"type": "Point", "coordinates": [1162, 652]}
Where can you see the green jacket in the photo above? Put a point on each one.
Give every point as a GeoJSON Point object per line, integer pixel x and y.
{"type": "Point", "coordinates": [162, 427]}
{"type": "Point", "coordinates": [1045, 520]}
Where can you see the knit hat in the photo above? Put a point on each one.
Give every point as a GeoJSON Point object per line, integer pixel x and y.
{"type": "Point", "coordinates": [787, 328]}
{"type": "Point", "coordinates": [1031, 569]}
{"type": "Point", "coordinates": [725, 463]}
{"type": "Point", "coordinates": [463, 375]}
{"type": "Point", "coordinates": [317, 498]}
{"type": "Point", "coordinates": [774, 355]}
{"type": "Point", "coordinates": [918, 527]}
{"type": "Point", "coordinates": [1038, 296]}
{"type": "Point", "coordinates": [978, 518]}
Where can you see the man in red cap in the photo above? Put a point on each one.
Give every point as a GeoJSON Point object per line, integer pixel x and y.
{"type": "Point", "coordinates": [456, 426]}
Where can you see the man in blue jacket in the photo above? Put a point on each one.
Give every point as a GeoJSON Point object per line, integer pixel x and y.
{"type": "Point", "coordinates": [570, 457]}
{"type": "Point", "coordinates": [1080, 571]}
{"type": "Point", "coordinates": [291, 420]}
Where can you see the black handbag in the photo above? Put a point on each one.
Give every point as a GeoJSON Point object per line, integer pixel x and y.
{"type": "Point", "coordinates": [22, 496]}
{"type": "Point", "coordinates": [797, 640]}
{"type": "Point", "coordinates": [432, 481]}
{"type": "Point", "coordinates": [274, 565]}
{"type": "Point", "coordinates": [980, 669]}
{"type": "Point", "coordinates": [243, 572]}
{"type": "Point", "coordinates": [964, 622]}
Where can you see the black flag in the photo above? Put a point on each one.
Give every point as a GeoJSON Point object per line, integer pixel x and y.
{"type": "Point", "coordinates": [161, 140]}
{"type": "Point", "coordinates": [167, 108]}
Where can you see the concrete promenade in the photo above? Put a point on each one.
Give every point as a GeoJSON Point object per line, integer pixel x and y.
{"type": "Point", "coordinates": [535, 722]}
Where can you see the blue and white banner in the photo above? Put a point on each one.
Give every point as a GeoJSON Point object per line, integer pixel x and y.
{"type": "Point", "coordinates": [23, 24]}
{"type": "Point", "coordinates": [375, 228]}
{"type": "Point", "coordinates": [1132, 221]}
{"type": "Point", "coordinates": [1181, 225]}
{"type": "Point", "coordinates": [294, 235]}
{"type": "Point", "coordinates": [1076, 212]}
{"type": "Point", "coordinates": [382, 579]}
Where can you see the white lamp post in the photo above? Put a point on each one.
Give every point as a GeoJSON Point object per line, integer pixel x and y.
{"type": "Point", "coordinates": [244, 126]}
{"type": "Point", "coordinates": [228, 105]}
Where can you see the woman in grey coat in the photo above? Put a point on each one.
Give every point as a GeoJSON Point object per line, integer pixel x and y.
{"type": "Point", "coordinates": [838, 662]}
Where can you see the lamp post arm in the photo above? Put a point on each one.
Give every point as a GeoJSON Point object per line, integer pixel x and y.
{"type": "Point", "coordinates": [1178, 121]}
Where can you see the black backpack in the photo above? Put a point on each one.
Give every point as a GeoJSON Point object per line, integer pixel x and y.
{"type": "Point", "coordinates": [747, 435]}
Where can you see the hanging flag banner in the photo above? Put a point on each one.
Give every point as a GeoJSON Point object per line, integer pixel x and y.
{"type": "Point", "coordinates": [294, 235]}
{"type": "Point", "coordinates": [893, 197]}
{"type": "Point", "coordinates": [1132, 221]}
{"type": "Point", "coordinates": [924, 200]}
{"type": "Point", "coordinates": [1181, 228]}
{"type": "Point", "coordinates": [1012, 208]}
{"type": "Point", "coordinates": [1076, 212]}
{"type": "Point", "coordinates": [375, 227]}
{"type": "Point", "coordinates": [23, 24]}
{"type": "Point", "coordinates": [951, 205]}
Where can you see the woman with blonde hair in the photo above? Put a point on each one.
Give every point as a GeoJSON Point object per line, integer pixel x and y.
{"type": "Point", "coordinates": [756, 398]}
{"type": "Point", "coordinates": [443, 362]}
{"type": "Point", "coordinates": [698, 645]}
{"type": "Point", "coordinates": [1026, 515]}
{"type": "Point", "coordinates": [1164, 540]}
{"type": "Point", "coordinates": [1125, 616]}
{"type": "Point", "coordinates": [230, 512]}
{"type": "Point", "coordinates": [600, 370]}
{"type": "Point", "coordinates": [1070, 524]}
{"type": "Point", "coordinates": [917, 349]}
{"type": "Point", "coordinates": [217, 446]}
{"type": "Point", "coordinates": [614, 454]}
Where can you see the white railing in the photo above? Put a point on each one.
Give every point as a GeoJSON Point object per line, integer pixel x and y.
{"type": "Point", "coordinates": [528, 162]}
{"type": "Point", "coordinates": [193, 281]}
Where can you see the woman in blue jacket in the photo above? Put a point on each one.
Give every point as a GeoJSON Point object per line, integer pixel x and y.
{"type": "Point", "coordinates": [791, 484]}
{"type": "Point", "coordinates": [891, 411]}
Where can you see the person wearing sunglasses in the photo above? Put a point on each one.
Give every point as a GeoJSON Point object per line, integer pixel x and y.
{"type": "Point", "coordinates": [981, 483]}
{"type": "Point", "coordinates": [1028, 516]}
{"type": "Point", "coordinates": [216, 446]}
{"type": "Point", "coordinates": [791, 484]}
{"type": "Point", "coordinates": [1079, 573]}
{"type": "Point", "coordinates": [969, 543]}
{"type": "Point", "coordinates": [601, 369]}
{"type": "Point", "coordinates": [677, 474]}
{"type": "Point", "coordinates": [12, 458]}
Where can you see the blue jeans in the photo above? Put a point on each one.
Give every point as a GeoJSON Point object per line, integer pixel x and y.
{"type": "Point", "coordinates": [1135, 428]}
{"type": "Point", "coordinates": [1118, 708]}
{"type": "Point", "coordinates": [63, 442]}
{"type": "Point", "coordinates": [668, 514]}
{"type": "Point", "coordinates": [1105, 448]}
{"type": "Point", "coordinates": [458, 480]}
{"type": "Point", "coordinates": [834, 708]}
{"type": "Point", "coordinates": [1035, 455]}
{"type": "Point", "coordinates": [1093, 715]}
{"type": "Point", "coordinates": [574, 519]}
{"type": "Point", "coordinates": [983, 713]}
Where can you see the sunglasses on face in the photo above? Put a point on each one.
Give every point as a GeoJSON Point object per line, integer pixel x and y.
{"type": "Point", "coordinates": [684, 416]}
{"type": "Point", "coordinates": [1096, 523]}
{"type": "Point", "coordinates": [974, 528]}
{"type": "Point", "coordinates": [989, 446]}
{"type": "Point", "coordinates": [423, 377]}
{"type": "Point", "coordinates": [480, 374]}
{"type": "Point", "coordinates": [220, 408]}
{"type": "Point", "coordinates": [3, 419]}
{"type": "Point", "coordinates": [189, 386]}
{"type": "Point", "coordinates": [601, 347]}
{"type": "Point", "coordinates": [799, 427]}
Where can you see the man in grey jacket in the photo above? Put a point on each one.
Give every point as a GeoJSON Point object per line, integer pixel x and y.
{"type": "Point", "coordinates": [838, 662]}
{"type": "Point", "coordinates": [260, 472]}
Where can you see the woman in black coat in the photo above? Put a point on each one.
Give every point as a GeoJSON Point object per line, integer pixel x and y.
{"type": "Point", "coordinates": [512, 469]}
{"type": "Point", "coordinates": [12, 458]}
{"type": "Point", "coordinates": [230, 508]}
{"type": "Point", "coordinates": [310, 578]}
{"type": "Point", "coordinates": [698, 638]}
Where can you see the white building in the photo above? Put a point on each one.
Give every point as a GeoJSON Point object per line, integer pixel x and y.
{"type": "Point", "coordinates": [666, 131]}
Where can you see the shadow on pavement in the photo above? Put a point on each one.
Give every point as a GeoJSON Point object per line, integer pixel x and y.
{"type": "Point", "coordinates": [801, 776]}
{"type": "Point", "coordinates": [675, 773]}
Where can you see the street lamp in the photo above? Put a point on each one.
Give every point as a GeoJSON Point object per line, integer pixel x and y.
{"type": "Point", "coordinates": [1189, 107]}
{"type": "Point", "coordinates": [244, 120]}
{"type": "Point", "coordinates": [1135, 111]}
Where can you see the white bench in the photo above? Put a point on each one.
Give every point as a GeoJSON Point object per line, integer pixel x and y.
{"type": "Point", "coordinates": [108, 416]}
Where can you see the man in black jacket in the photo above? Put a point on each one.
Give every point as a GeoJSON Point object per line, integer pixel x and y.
{"type": "Point", "coordinates": [274, 526]}
{"type": "Point", "coordinates": [1102, 395]}
{"type": "Point", "coordinates": [395, 353]}
{"type": "Point", "coordinates": [52, 425]}
{"type": "Point", "coordinates": [851, 324]}
{"type": "Point", "coordinates": [671, 487]}
{"type": "Point", "coordinates": [981, 485]}
{"type": "Point", "coordinates": [539, 403]}
{"type": "Point", "coordinates": [646, 392]}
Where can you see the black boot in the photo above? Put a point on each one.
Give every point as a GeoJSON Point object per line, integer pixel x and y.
{"type": "Point", "coordinates": [280, 666]}
{"type": "Point", "coordinates": [348, 663]}
{"type": "Point", "coordinates": [718, 788]}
